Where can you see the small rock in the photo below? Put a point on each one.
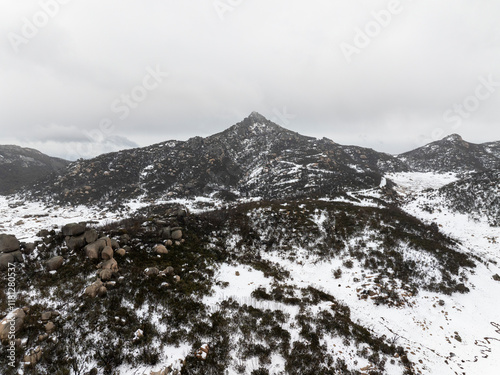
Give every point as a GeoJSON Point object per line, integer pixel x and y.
{"type": "Point", "coordinates": [121, 252]}
{"type": "Point", "coordinates": [8, 243]}
{"type": "Point", "coordinates": [496, 277]}
{"type": "Point", "coordinates": [29, 248]}
{"type": "Point", "coordinates": [102, 291]}
{"type": "Point", "coordinates": [109, 264]}
{"type": "Point", "coordinates": [114, 244]}
{"type": "Point", "coordinates": [73, 229]}
{"type": "Point", "coordinates": [46, 315]}
{"type": "Point", "coordinates": [177, 278]}
{"type": "Point", "coordinates": [124, 239]}
{"type": "Point", "coordinates": [91, 236]}
{"type": "Point", "coordinates": [160, 249]}
{"type": "Point", "coordinates": [18, 256]}
{"type": "Point", "coordinates": [166, 233]}
{"type": "Point", "coordinates": [168, 243]}
{"type": "Point", "coordinates": [50, 327]}
{"type": "Point", "coordinates": [42, 337]}
{"type": "Point", "coordinates": [177, 234]}
{"type": "Point", "coordinates": [169, 270]}
{"type": "Point", "coordinates": [54, 263]}
{"type": "Point", "coordinates": [107, 253]}
{"type": "Point", "coordinates": [43, 233]}
{"type": "Point", "coordinates": [107, 240]}
{"type": "Point", "coordinates": [237, 273]}
{"type": "Point", "coordinates": [33, 357]}
{"type": "Point", "coordinates": [152, 271]}
{"type": "Point", "coordinates": [202, 352]}
{"type": "Point", "coordinates": [94, 249]}
{"type": "Point", "coordinates": [75, 242]}
{"type": "Point", "coordinates": [105, 274]}
{"type": "Point", "coordinates": [93, 289]}
{"type": "Point", "coordinates": [138, 334]}
{"type": "Point", "coordinates": [5, 259]}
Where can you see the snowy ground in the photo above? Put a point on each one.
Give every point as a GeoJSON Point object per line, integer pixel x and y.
{"type": "Point", "coordinates": [476, 315]}
{"type": "Point", "coordinates": [25, 219]}
{"type": "Point", "coordinates": [458, 334]}
{"type": "Point", "coordinates": [416, 181]}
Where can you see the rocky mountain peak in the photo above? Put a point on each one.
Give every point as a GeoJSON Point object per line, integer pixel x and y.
{"type": "Point", "coordinates": [257, 117]}
{"type": "Point", "coordinates": [453, 138]}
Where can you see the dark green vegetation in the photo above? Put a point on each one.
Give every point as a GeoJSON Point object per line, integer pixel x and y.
{"type": "Point", "coordinates": [478, 195]}
{"type": "Point", "coordinates": [401, 249]}
{"type": "Point", "coordinates": [171, 313]}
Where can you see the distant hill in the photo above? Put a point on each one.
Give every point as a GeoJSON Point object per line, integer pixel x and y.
{"type": "Point", "coordinates": [23, 166]}
{"type": "Point", "coordinates": [453, 154]}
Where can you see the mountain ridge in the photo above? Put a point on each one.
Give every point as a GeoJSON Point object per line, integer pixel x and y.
{"type": "Point", "coordinates": [20, 166]}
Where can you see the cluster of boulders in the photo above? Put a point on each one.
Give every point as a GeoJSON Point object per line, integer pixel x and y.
{"type": "Point", "coordinates": [169, 271]}
{"type": "Point", "coordinates": [10, 251]}
{"type": "Point", "coordinates": [172, 235]}
{"type": "Point", "coordinates": [13, 323]}
{"type": "Point", "coordinates": [103, 249]}
{"type": "Point", "coordinates": [77, 235]}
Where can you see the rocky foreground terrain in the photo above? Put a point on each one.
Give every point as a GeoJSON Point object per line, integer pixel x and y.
{"type": "Point", "coordinates": [255, 251]}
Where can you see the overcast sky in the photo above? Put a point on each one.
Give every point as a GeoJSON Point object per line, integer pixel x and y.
{"type": "Point", "coordinates": [83, 77]}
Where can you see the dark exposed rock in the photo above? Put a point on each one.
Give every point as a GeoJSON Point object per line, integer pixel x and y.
{"type": "Point", "coordinates": [107, 253]}
{"type": "Point", "coordinates": [151, 271]}
{"type": "Point", "coordinates": [94, 249]}
{"type": "Point", "coordinates": [18, 256]}
{"type": "Point", "coordinates": [75, 242]}
{"type": "Point", "coordinates": [8, 243]}
{"type": "Point", "coordinates": [177, 234]}
{"type": "Point", "coordinates": [160, 249]}
{"type": "Point", "coordinates": [5, 259]}
{"type": "Point", "coordinates": [91, 236]}
{"type": "Point", "coordinates": [29, 248]}
{"type": "Point", "coordinates": [54, 263]}
{"type": "Point", "coordinates": [93, 289]}
{"type": "Point", "coordinates": [73, 229]}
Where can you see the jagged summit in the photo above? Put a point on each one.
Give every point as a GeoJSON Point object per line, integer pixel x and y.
{"type": "Point", "coordinates": [453, 138]}
{"type": "Point", "coordinates": [255, 125]}
{"type": "Point", "coordinates": [256, 116]}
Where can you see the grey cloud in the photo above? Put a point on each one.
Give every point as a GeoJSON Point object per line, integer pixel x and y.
{"type": "Point", "coordinates": [264, 56]}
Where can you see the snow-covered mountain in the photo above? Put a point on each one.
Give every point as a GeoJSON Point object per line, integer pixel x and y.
{"type": "Point", "coordinates": [22, 166]}
{"type": "Point", "coordinates": [256, 251]}
{"type": "Point", "coordinates": [453, 154]}
{"type": "Point", "coordinates": [252, 158]}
